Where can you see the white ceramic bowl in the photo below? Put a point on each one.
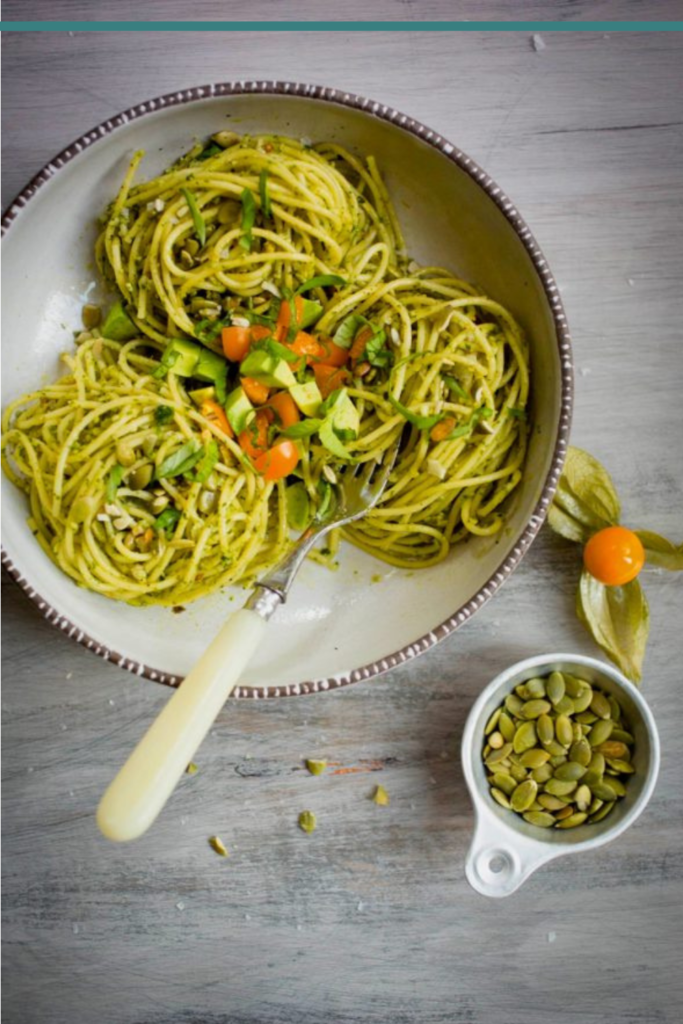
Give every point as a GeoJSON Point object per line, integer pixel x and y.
{"type": "Point", "coordinates": [337, 628]}
{"type": "Point", "coordinates": [506, 849]}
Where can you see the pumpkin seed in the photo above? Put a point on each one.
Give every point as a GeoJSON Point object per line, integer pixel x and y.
{"type": "Point", "coordinates": [518, 773]}
{"type": "Point", "coordinates": [600, 732]}
{"type": "Point", "coordinates": [573, 685]}
{"type": "Point", "coordinates": [618, 786]}
{"type": "Point", "coordinates": [603, 790]}
{"type": "Point", "coordinates": [570, 772]}
{"type": "Point", "coordinates": [536, 687]}
{"type": "Point", "coordinates": [513, 704]}
{"type": "Point", "coordinates": [534, 758]}
{"type": "Point", "coordinates": [496, 741]}
{"type": "Point", "coordinates": [586, 718]}
{"type": "Point", "coordinates": [545, 729]}
{"type": "Point", "coordinates": [599, 705]}
{"type": "Point", "coordinates": [556, 749]}
{"type": "Point", "coordinates": [525, 737]}
{"type": "Point", "coordinates": [535, 708]}
{"type": "Point", "coordinates": [91, 316]}
{"type": "Point", "coordinates": [542, 774]}
{"type": "Point", "coordinates": [492, 722]}
{"type": "Point", "coordinates": [580, 751]}
{"type": "Point", "coordinates": [556, 687]}
{"type": "Point", "coordinates": [523, 797]}
{"type": "Point", "coordinates": [565, 706]}
{"type": "Point", "coordinates": [559, 787]}
{"type": "Point", "coordinates": [622, 736]}
{"type": "Point", "coordinates": [500, 754]}
{"type": "Point", "coordinates": [506, 726]}
{"type": "Point", "coordinates": [582, 701]}
{"type": "Point", "coordinates": [522, 692]}
{"type": "Point", "coordinates": [504, 782]}
{"type": "Point", "coordinates": [539, 818]}
{"type": "Point", "coordinates": [573, 820]}
{"type": "Point", "coordinates": [550, 802]}
{"type": "Point", "coordinates": [602, 813]}
{"type": "Point", "coordinates": [566, 812]}
{"type": "Point", "coordinates": [564, 731]}
{"type": "Point", "coordinates": [597, 764]}
{"type": "Point", "coordinates": [614, 749]}
{"type": "Point", "coordinates": [535, 806]}
{"type": "Point", "coordinates": [625, 767]}
{"type": "Point", "coordinates": [595, 805]}
{"type": "Point", "coordinates": [583, 798]}
{"type": "Point", "coordinates": [614, 707]}
{"type": "Point", "coordinates": [578, 731]}
{"type": "Point", "coordinates": [500, 797]}
{"type": "Point", "coordinates": [557, 761]}
{"type": "Point", "coordinates": [592, 778]}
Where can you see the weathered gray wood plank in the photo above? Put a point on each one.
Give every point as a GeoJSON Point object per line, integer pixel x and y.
{"type": "Point", "coordinates": [370, 919]}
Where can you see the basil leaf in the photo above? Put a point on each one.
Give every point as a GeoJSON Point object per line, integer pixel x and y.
{"type": "Point", "coordinates": [461, 431]}
{"type": "Point", "coordinates": [421, 422]}
{"type": "Point", "coordinates": [263, 191]}
{"type": "Point", "coordinates": [114, 479]}
{"type": "Point", "coordinates": [304, 428]}
{"type": "Point", "coordinates": [348, 329]}
{"type": "Point", "coordinates": [199, 222]}
{"type": "Point", "coordinates": [376, 353]}
{"type": "Point", "coordinates": [519, 414]}
{"type": "Point", "coordinates": [453, 385]}
{"type": "Point", "coordinates": [275, 349]}
{"type": "Point", "coordinates": [181, 461]}
{"type": "Point", "coordinates": [163, 414]}
{"type": "Point", "coordinates": [590, 486]}
{"type": "Point", "coordinates": [661, 552]}
{"type": "Point", "coordinates": [168, 520]}
{"type": "Point", "coordinates": [169, 358]}
{"type": "Point", "coordinates": [248, 218]}
{"type": "Point", "coordinates": [322, 281]}
{"type": "Point", "coordinates": [206, 463]}
{"type": "Point", "coordinates": [213, 149]}
{"type": "Point", "coordinates": [618, 618]}
{"type": "Point", "coordinates": [208, 330]}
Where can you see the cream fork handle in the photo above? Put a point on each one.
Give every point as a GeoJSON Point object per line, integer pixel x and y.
{"type": "Point", "coordinates": [139, 791]}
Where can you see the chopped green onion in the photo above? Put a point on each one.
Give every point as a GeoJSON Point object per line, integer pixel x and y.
{"type": "Point", "coordinates": [199, 222]}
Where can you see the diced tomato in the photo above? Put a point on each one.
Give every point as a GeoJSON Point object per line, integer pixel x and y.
{"type": "Point", "coordinates": [255, 391]}
{"type": "Point", "coordinates": [284, 317]}
{"type": "Point", "coordinates": [306, 346]}
{"type": "Point", "coordinates": [213, 412]}
{"type": "Point", "coordinates": [285, 409]}
{"type": "Point", "coordinates": [329, 378]}
{"type": "Point", "coordinates": [359, 342]}
{"type": "Point", "coordinates": [259, 331]}
{"type": "Point", "coordinates": [278, 462]}
{"type": "Point", "coordinates": [253, 439]}
{"type": "Point", "coordinates": [236, 342]}
{"type": "Point", "coordinates": [332, 354]}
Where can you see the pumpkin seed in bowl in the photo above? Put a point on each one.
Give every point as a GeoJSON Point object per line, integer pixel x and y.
{"type": "Point", "coordinates": [558, 751]}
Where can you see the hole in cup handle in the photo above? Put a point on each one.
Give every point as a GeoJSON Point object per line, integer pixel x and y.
{"type": "Point", "coordinates": [499, 861]}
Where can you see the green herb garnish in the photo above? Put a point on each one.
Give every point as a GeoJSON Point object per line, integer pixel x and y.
{"type": "Point", "coordinates": [213, 149]}
{"type": "Point", "coordinates": [248, 218]}
{"type": "Point", "coordinates": [207, 462]}
{"type": "Point", "coordinates": [113, 481]}
{"type": "Point", "coordinates": [168, 360]}
{"type": "Point", "coordinates": [519, 414]}
{"type": "Point", "coordinates": [163, 414]}
{"type": "Point", "coordinates": [453, 385]}
{"type": "Point", "coordinates": [181, 461]}
{"type": "Point", "coordinates": [304, 428]}
{"type": "Point", "coordinates": [421, 422]}
{"type": "Point", "coordinates": [168, 520]}
{"type": "Point", "coordinates": [198, 220]}
{"type": "Point", "coordinates": [322, 281]}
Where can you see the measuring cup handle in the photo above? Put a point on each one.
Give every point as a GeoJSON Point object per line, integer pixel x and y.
{"type": "Point", "coordinates": [495, 865]}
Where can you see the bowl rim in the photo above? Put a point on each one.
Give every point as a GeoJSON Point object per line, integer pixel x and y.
{"type": "Point", "coordinates": [326, 95]}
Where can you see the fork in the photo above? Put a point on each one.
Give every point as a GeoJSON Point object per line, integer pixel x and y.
{"type": "Point", "coordinates": [141, 788]}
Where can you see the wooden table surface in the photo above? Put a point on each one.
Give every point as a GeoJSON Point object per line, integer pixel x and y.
{"type": "Point", "coordinates": [371, 919]}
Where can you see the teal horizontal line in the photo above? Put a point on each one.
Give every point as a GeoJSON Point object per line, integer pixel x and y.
{"type": "Point", "coordinates": [341, 26]}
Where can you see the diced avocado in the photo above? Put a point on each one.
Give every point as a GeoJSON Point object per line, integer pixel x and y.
{"type": "Point", "coordinates": [239, 410]}
{"type": "Point", "coordinates": [345, 418]}
{"type": "Point", "coordinates": [329, 438]}
{"type": "Point", "coordinates": [188, 356]}
{"type": "Point", "coordinates": [311, 312]}
{"type": "Point", "coordinates": [307, 397]}
{"type": "Point", "coordinates": [210, 366]}
{"type": "Point", "coordinates": [268, 369]}
{"type": "Point", "coordinates": [202, 395]}
{"type": "Point", "coordinates": [118, 326]}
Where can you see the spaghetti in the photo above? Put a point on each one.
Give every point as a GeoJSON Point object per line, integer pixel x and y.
{"type": "Point", "coordinates": [139, 494]}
